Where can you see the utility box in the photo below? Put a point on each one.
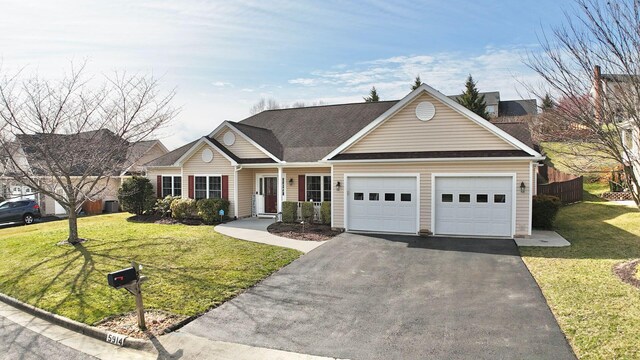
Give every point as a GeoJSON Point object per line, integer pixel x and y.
{"type": "Point", "coordinates": [118, 279]}
{"type": "Point", "coordinates": [111, 206]}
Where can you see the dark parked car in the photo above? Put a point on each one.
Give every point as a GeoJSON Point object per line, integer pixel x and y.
{"type": "Point", "coordinates": [25, 211]}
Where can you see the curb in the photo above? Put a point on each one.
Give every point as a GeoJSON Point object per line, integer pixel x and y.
{"type": "Point", "coordinates": [73, 325]}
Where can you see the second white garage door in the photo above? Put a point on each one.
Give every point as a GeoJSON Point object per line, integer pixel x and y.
{"type": "Point", "coordinates": [474, 206]}
{"type": "Point", "coordinates": [382, 204]}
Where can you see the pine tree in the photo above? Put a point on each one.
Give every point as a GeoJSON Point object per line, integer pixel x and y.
{"type": "Point", "coordinates": [373, 95]}
{"type": "Point", "coordinates": [416, 83]}
{"type": "Point", "coordinates": [547, 102]}
{"type": "Point", "coordinates": [472, 100]}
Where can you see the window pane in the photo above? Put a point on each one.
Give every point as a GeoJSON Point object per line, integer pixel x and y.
{"type": "Point", "coordinates": [464, 198]}
{"type": "Point", "coordinates": [314, 188]}
{"type": "Point", "coordinates": [326, 195]}
{"type": "Point", "coordinates": [358, 196]}
{"type": "Point", "coordinates": [374, 196]}
{"type": "Point", "coordinates": [166, 186]}
{"type": "Point", "coordinates": [447, 197]}
{"type": "Point", "coordinates": [215, 187]}
{"type": "Point", "coordinates": [482, 198]}
{"type": "Point", "coordinates": [405, 197]}
{"type": "Point", "coordinates": [200, 187]}
{"type": "Point", "coordinates": [499, 198]}
{"type": "Point", "coordinates": [389, 197]}
{"type": "Point", "coordinates": [177, 186]}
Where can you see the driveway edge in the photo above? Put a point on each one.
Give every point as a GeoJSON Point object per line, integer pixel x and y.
{"type": "Point", "coordinates": [73, 325]}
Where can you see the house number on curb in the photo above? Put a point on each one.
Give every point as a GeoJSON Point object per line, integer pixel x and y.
{"type": "Point", "coordinates": [115, 339]}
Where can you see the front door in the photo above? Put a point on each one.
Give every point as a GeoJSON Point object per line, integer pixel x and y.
{"type": "Point", "coordinates": [270, 195]}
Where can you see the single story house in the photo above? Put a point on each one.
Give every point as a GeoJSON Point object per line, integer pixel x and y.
{"type": "Point", "coordinates": [420, 165]}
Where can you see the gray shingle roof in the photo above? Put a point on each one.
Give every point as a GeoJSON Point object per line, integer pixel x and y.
{"type": "Point", "coordinates": [517, 107]}
{"type": "Point", "coordinates": [518, 130]}
{"type": "Point", "coordinates": [264, 138]}
{"type": "Point", "coordinates": [310, 133]}
{"type": "Point", "coordinates": [490, 97]}
{"type": "Point", "coordinates": [171, 157]}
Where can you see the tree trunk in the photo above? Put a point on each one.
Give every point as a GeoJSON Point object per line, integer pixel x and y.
{"type": "Point", "coordinates": [73, 225]}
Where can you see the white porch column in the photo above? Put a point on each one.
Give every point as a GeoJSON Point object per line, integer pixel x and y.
{"type": "Point", "coordinates": [280, 189]}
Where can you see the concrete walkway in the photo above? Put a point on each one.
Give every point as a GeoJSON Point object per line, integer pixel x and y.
{"type": "Point", "coordinates": [255, 229]}
{"type": "Point", "coordinates": [543, 238]}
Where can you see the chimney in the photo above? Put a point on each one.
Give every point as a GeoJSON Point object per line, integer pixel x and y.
{"type": "Point", "coordinates": [597, 96]}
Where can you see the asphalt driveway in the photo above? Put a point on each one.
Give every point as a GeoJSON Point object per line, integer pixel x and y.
{"type": "Point", "coordinates": [396, 297]}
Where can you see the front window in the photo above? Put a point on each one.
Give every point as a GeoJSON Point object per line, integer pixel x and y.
{"type": "Point", "coordinates": [318, 188]}
{"type": "Point", "coordinates": [171, 186]}
{"type": "Point", "coordinates": [208, 187]}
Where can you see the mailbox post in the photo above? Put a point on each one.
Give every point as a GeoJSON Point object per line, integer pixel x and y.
{"type": "Point", "coordinates": [130, 279]}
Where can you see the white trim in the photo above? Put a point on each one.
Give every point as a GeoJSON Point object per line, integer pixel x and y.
{"type": "Point", "coordinates": [424, 88]}
{"type": "Point", "coordinates": [227, 123]}
{"type": "Point", "coordinates": [275, 175]}
{"type": "Point", "coordinates": [409, 175]}
{"type": "Point", "coordinates": [173, 186]}
{"type": "Point", "coordinates": [514, 195]}
{"type": "Point", "coordinates": [322, 175]}
{"type": "Point", "coordinates": [203, 140]}
{"type": "Point", "coordinates": [332, 202]}
{"type": "Point", "coordinates": [235, 190]}
{"type": "Point", "coordinates": [513, 158]}
{"type": "Point", "coordinates": [531, 175]}
{"type": "Point", "coordinates": [207, 176]}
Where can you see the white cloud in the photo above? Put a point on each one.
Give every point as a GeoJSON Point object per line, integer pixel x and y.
{"type": "Point", "coordinates": [221, 84]}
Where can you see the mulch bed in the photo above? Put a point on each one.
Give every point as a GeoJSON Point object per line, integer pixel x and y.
{"type": "Point", "coordinates": [158, 323]}
{"type": "Point", "coordinates": [626, 271]}
{"type": "Point", "coordinates": [157, 219]}
{"type": "Point", "coordinates": [310, 232]}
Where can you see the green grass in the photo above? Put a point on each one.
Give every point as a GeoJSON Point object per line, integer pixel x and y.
{"type": "Point", "coordinates": [563, 157]}
{"type": "Point", "coordinates": [190, 268]}
{"type": "Point", "coordinates": [599, 314]}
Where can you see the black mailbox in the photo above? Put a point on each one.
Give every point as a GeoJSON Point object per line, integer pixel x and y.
{"type": "Point", "coordinates": [122, 277]}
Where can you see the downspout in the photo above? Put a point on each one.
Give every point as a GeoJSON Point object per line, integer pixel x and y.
{"type": "Point", "coordinates": [235, 190]}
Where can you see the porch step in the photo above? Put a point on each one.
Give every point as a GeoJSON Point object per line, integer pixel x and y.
{"type": "Point", "coordinates": [266, 216]}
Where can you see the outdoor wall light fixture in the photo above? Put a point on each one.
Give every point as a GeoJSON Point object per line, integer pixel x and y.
{"type": "Point", "coordinates": [338, 186]}
{"type": "Point", "coordinates": [291, 182]}
{"type": "Point", "coordinates": [522, 187]}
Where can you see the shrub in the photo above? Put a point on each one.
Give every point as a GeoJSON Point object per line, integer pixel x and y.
{"type": "Point", "coordinates": [163, 206]}
{"type": "Point", "coordinates": [307, 211]}
{"type": "Point", "coordinates": [183, 209]}
{"type": "Point", "coordinates": [325, 212]}
{"type": "Point", "coordinates": [136, 195]}
{"type": "Point", "coordinates": [545, 209]}
{"type": "Point", "coordinates": [209, 209]}
{"type": "Point", "coordinates": [289, 211]}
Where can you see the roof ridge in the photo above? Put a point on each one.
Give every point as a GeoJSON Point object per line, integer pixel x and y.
{"type": "Point", "coordinates": [327, 105]}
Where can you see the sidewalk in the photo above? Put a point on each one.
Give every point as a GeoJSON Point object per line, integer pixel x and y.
{"type": "Point", "coordinates": [254, 229]}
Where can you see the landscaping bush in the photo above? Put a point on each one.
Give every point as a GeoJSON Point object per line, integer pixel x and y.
{"type": "Point", "coordinates": [136, 195]}
{"type": "Point", "coordinates": [325, 212]}
{"type": "Point", "coordinates": [307, 211]}
{"type": "Point", "coordinates": [163, 206]}
{"type": "Point", "coordinates": [183, 209]}
{"type": "Point", "coordinates": [209, 209]}
{"type": "Point", "coordinates": [289, 211]}
{"type": "Point", "coordinates": [545, 209]}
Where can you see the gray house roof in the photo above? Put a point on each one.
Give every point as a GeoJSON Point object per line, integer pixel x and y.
{"type": "Point", "coordinates": [517, 107]}
{"type": "Point", "coordinates": [490, 97]}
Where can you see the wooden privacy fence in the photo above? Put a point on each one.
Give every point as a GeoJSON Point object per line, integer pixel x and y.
{"type": "Point", "coordinates": [565, 186]}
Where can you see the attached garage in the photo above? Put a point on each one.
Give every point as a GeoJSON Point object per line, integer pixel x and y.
{"type": "Point", "coordinates": [474, 205]}
{"type": "Point", "coordinates": [379, 203]}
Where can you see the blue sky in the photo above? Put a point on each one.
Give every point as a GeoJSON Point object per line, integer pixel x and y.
{"type": "Point", "coordinates": [222, 57]}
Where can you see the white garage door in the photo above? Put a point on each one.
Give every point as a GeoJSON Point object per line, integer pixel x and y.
{"type": "Point", "coordinates": [382, 204]}
{"type": "Point", "coordinates": [474, 206]}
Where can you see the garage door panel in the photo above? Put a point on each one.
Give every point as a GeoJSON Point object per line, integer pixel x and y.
{"type": "Point", "coordinates": [482, 215]}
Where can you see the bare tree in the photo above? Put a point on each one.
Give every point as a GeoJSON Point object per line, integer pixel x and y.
{"type": "Point", "coordinates": [265, 104]}
{"type": "Point", "coordinates": [67, 138]}
{"type": "Point", "coordinates": [592, 65]}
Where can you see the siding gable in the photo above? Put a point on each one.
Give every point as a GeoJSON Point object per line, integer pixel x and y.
{"type": "Point", "coordinates": [241, 147]}
{"type": "Point", "coordinates": [448, 130]}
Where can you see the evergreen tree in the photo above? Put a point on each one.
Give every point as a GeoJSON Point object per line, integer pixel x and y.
{"type": "Point", "coordinates": [417, 82]}
{"type": "Point", "coordinates": [547, 102]}
{"type": "Point", "coordinates": [373, 95]}
{"type": "Point", "coordinates": [472, 100]}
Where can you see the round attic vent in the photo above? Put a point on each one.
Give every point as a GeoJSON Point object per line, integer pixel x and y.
{"type": "Point", "coordinates": [229, 138]}
{"type": "Point", "coordinates": [425, 111]}
{"type": "Point", "coordinates": [207, 155]}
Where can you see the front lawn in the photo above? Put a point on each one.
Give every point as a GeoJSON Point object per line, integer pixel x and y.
{"type": "Point", "coordinates": [190, 268]}
{"type": "Point", "coordinates": [599, 313]}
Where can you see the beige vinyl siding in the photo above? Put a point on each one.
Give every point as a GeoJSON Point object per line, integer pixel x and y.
{"type": "Point", "coordinates": [246, 188]}
{"type": "Point", "coordinates": [152, 175]}
{"type": "Point", "coordinates": [426, 169]}
{"type": "Point", "coordinates": [241, 147]}
{"type": "Point", "coordinates": [218, 166]}
{"type": "Point", "coordinates": [291, 191]}
{"type": "Point", "coordinates": [448, 130]}
{"type": "Point", "coordinates": [155, 152]}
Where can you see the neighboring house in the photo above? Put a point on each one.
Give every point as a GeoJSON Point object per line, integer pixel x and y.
{"type": "Point", "coordinates": [139, 153]}
{"type": "Point", "coordinates": [420, 165]}
{"type": "Point", "coordinates": [506, 108]}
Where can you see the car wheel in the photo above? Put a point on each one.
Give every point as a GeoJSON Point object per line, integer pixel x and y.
{"type": "Point", "coordinates": [27, 219]}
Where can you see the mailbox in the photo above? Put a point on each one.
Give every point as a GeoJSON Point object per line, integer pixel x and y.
{"type": "Point", "coordinates": [122, 277]}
